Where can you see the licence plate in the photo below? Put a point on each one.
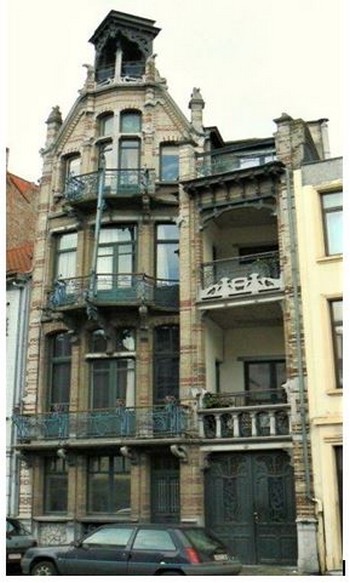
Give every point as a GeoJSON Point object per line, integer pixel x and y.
{"type": "Point", "coordinates": [221, 557]}
{"type": "Point", "coordinates": [14, 556]}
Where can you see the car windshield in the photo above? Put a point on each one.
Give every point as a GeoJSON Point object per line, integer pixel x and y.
{"type": "Point", "coordinates": [205, 543]}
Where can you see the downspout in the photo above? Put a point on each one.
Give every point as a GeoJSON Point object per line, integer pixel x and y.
{"type": "Point", "coordinates": [99, 211]}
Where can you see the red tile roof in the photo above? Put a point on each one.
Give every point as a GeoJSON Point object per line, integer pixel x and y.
{"type": "Point", "coordinates": [22, 185]}
{"type": "Point", "coordinates": [19, 259]}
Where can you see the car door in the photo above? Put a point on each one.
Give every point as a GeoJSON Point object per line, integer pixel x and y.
{"type": "Point", "coordinates": [152, 548]}
{"type": "Point", "coordinates": [103, 552]}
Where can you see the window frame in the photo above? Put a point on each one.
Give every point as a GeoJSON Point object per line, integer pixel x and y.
{"type": "Point", "coordinates": [337, 351]}
{"type": "Point", "coordinates": [57, 360]}
{"type": "Point", "coordinates": [164, 241]}
{"type": "Point", "coordinates": [163, 156]}
{"type": "Point", "coordinates": [113, 474]}
{"type": "Point", "coordinates": [326, 213]}
{"type": "Point", "coordinates": [60, 470]}
{"type": "Point", "coordinates": [135, 131]}
{"type": "Point", "coordinates": [169, 357]}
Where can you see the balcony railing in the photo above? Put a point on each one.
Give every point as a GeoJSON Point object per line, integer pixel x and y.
{"type": "Point", "coordinates": [250, 274]}
{"type": "Point", "coordinates": [220, 162]}
{"type": "Point", "coordinates": [130, 70]}
{"type": "Point", "coordinates": [248, 415]}
{"type": "Point", "coordinates": [115, 288]}
{"type": "Point", "coordinates": [121, 182]}
{"type": "Point", "coordinates": [159, 421]}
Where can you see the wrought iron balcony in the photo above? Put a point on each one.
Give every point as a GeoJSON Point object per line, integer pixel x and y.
{"type": "Point", "coordinates": [112, 288]}
{"type": "Point", "coordinates": [159, 421]}
{"type": "Point", "coordinates": [250, 274]}
{"type": "Point", "coordinates": [117, 183]}
{"type": "Point", "coordinates": [220, 161]}
{"type": "Point", "coordinates": [248, 415]}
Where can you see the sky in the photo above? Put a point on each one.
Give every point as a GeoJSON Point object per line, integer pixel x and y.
{"type": "Point", "coordinates": [251, 59]}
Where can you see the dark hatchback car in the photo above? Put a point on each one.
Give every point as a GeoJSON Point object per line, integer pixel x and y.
{"type": "Point", "coordinates": [18, 540]}
{"type": "Point", "coordinates": [135, 549]}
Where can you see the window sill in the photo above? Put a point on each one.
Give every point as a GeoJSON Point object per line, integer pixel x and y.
{"type": "Point", "coordinates": [330, 258]}
{"type": "Point", "coordinates": [338, 392]}
{"type": "Point", "coordinates": [54, 518]}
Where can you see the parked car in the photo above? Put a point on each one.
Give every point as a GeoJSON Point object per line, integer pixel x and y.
{"type": "Point", "coordinates": [135, 549]}
{"type": "Point", "coordinates": [18, 540]}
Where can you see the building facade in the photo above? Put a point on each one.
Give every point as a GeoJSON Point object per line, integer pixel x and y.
{"type": "Point", "coordinates": [21, 201]}
{"type": "Point", "coordinates": [319, 210]}
{"type": "Point", "coordinates": [166, 376]}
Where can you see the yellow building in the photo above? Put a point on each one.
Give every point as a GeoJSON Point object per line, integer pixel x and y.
{"type": "Point", "coordinates": [318, 198]}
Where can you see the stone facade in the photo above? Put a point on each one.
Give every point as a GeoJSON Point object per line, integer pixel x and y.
{"type": "Point", "coordinates": [201, 303]}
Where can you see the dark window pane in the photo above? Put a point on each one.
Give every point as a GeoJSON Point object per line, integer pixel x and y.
{"type": "Point", "coordinates": [55, 486]}
{"type": "Point", "coordinates": [108, 484]}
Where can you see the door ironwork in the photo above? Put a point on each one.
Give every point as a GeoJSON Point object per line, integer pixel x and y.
{"type": "Point", "coordinates": [250, 504]}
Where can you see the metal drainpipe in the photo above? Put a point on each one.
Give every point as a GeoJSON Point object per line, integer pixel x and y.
{"type": "Point", "coordinates": [294, 264]}
{"type": "Point", "coordinates": [99, 211]}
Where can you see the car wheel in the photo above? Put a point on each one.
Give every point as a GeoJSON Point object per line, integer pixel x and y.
{"type": "Point", "coordinates": [44, 568]}
{"type": "Point", "coordinates": [171, 573]}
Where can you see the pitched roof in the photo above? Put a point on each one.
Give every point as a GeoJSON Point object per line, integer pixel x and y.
{"type": "Point", "coordinates": [19, 259]}
{"type": "Point", "coordinates": [22, 185]}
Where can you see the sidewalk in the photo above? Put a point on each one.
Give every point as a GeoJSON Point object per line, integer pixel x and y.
{"type": "Point", "coordinates": [268, 570]}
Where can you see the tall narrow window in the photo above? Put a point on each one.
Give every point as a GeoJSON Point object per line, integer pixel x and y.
{"type": "Point", "coordinates": [108, 485]}
{"type": "Point", "coordinates": [166, 362]}
{"type": "Point", "coordinates": [116, 258]}
{"type": "Point", "coordinates": [55, 486]}
{"type": "Point", "coordinates": [60, 372]}
{"type": "Point", "coordinates": [332, 207]}
{"type": "Point", "coordinates": [169, 163]}
{"type": "Point", "coordinates": [112, 378]}
{"type": "Point", "coordinates": [129, 164]}
{"type": "Point", "coordinates": [168, 253]}
{"type": "Point", "coordinates": [66, 256]}
{"type": "Point", "coordinates": [336, 309]}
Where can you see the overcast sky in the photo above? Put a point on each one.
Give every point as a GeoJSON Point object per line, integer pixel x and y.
{"type": "Point", "coordinates": [252, 59]}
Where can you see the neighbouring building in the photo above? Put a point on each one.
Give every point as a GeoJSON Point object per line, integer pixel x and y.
{"type": "Point", "coordinates": [166, 376]}
{"type": "Point", "coordinates": [319, 217]}
{"type": "Point", "coordinates": [21, 201]}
